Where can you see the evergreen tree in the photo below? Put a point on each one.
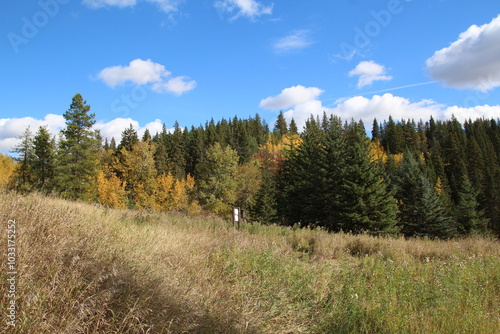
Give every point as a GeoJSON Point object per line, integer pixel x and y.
{"type": "Point", "coordinates": [293, 128]}
{"type": "Point", "coordinates": [24, 172]}
{"type": "Point", "coordinates": [375, 131]}
{"type": "Point", "coordinates": [469, 218]}
{"type": "Point", "coordinates": [44, 159]}
{"type": "Point", "coordinates": [112, 144]}
{"type": "Point", "coordinates": [302, 182]}
{"type": "Point", "coordinates": [364, 202]}
{"type": "Point", "coordinates": [393, 140]}
{"type": "Point", "coordinates": [146, 136]}
{"type": "Point", "coordinates": [176, 156]}
{"type": "Point", "coordinates": [77, 162]}
{"type": "Point", "coordinates": [280, 126]}
{"type": "Point", "coordinates": [129, 139]}
{"type": "Point", "coordinates": [421, 212]}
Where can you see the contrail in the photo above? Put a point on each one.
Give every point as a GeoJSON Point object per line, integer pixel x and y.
{"type": "Point", "coordinates": [400, 87]}
{"type": "Point", "coordinates": [385, 90]}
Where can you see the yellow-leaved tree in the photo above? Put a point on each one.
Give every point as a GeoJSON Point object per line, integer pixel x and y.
{"type": "Point", "coordinates": [138, 170]}
{"type": "Point", "coordinates": [111, 191]}
{"type": "Point", "coordinates": [7, 168]}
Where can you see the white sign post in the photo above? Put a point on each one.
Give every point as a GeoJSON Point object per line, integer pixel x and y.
{"type": "Point", "coordinates": [236, 216]}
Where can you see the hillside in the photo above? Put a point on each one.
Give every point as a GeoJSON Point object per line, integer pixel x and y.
{"type": "Point", "coordinates": [83, 268]}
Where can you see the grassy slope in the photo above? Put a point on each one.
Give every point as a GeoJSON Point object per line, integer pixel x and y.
{"type": "Point", "coordinates": [85, 269]}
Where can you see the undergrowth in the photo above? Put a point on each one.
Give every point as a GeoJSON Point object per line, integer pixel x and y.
{"type": "Point", "coordinates": [86, 269]}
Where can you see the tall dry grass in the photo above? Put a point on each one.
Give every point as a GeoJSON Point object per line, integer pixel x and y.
{"type": "Point", "coordinates": [86, 269]}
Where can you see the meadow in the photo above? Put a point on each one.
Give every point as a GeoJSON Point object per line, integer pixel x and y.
{"type": "Point", "coordinates": [83, 268]}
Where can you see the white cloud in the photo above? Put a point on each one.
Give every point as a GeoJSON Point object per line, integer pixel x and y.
{"type": "Point", "coordinates": [368, 72]}
{"type": "Point", "coordinates": [473, 113]}
{"type": "Point", "coordinates": [472, 61]}
{"type": "Point", "coordinates": [165, 5]}
{"type": "Point", "coordinates": [381, 106]}
{"type": "Point", "coordinates": [302, 106]}
{"type": "Point", "coordinates": [178, 85]}
{"type": "Point", "coordinates": [248, 8]}
{"type": "Point", "coordinates": [298, 40]}
{"type": "Point", "coordinates": [141, 72]}
{"type": "Point", "coordinates": [289, 97]}
{"type": "Point", "coordinates": [115, 127]}
{"type": "Point", "coordinates": [138, 72]}
{"type": "Point", "coordinates": [11, 128]}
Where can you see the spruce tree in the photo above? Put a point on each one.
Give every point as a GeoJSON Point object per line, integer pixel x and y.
{"type": "Point", "coordinates": [469, 217]}
{"type": "Point", "coordinates": [77, 161]}
{"type": "Point", "coordinates": [421, 212]}
{"type": "Point", "coordinates": [44, 160]}
{"type": "Point", "coordinates": [129, 139]}
{"type": "Point", "coordinates": [24, 172]}
{"type": "Point", "coordinates": [293, 128]}
{"type": "Point", "coordinates": [375, 131]}
{"type": "Point", "coordinates": [280, 126]}
{"type": "Point", "coordinates": [365, 205]}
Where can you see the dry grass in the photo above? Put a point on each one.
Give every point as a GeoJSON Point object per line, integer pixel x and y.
{"type": "Point", "coordinates": [86, 269]}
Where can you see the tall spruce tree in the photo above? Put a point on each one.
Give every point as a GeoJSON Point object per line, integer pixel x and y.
{"type": "Point", "coordinates": [421, 212]}
{"type": "Point", "coordinates": [302, 182]}
{"type": "Point", "coordinates": [44, 159]}
{"type": "Point", "coordinates": [280, 126]}
{"type": "Point", "coordinates": [365, 205]}
{"type": "Point", "coordinates": [24, 172]}
{"type": "Point", "coordinates": [77, 161]}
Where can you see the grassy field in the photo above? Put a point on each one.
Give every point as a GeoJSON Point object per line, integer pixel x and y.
{"type": "Point", "coordinates": [86, 269]}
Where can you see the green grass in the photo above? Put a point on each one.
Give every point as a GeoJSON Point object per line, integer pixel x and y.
{"type": "Point", "coordinates": [86, 269]}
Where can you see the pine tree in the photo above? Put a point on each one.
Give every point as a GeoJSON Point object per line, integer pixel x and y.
{"type": "Point", "coordinates": [44, 159]}
{"type": "Point", "coordinates": [77, 161]}
{"type": "Point", "coordinates": [24, 171]}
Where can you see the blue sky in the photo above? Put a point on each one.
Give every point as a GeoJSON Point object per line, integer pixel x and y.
{"type": "Point", "coordinates": [149, 62]}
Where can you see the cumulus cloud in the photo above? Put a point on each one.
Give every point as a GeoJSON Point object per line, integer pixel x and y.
{"type": "Point", "coordinates": [368, 72]}
{"type": "Point", "coordinates": [138, 72]}
{"type": "Point", "coordinates": [366, 109]}
{"type": "Point", "coordinates": [292, 96]}
{"type": "Point", "coordinates": [115, 127]}
{"type": "Point", "coordinates": [177, 85]}
{"type": "Point", "coordinates": [472, 61]}
{"type": "Point", "coordinates": [165, 5]}
{"type": "Point", "coordinates": [247, 8]}
{"type": "Point", "coordinates": [298, 40]}
{"type": "Point", "coordinates": [11, 128]}
{"type": "Point", "coordinates": [141, 72]}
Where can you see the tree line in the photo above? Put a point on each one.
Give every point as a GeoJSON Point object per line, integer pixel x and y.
{"type": "Point", "coordinates": [438, 179]}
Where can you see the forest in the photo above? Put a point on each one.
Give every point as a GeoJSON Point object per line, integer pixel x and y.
{"type": "Point", "coordinates": [432, 178]}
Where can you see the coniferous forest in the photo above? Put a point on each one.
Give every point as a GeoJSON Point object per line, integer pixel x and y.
{"type": "Point", "coordinates": [417, 178]}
